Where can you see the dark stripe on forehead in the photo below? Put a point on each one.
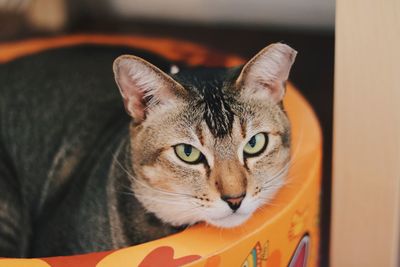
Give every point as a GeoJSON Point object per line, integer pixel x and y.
{"type": "Point", "coordinates": [217, 112]}
{"type": "Point", "coordinates": [243, 127]}
{"type": "Point", "coordinates": [199, 134]}
{"type": "Point", "coordinates": [207, 85]}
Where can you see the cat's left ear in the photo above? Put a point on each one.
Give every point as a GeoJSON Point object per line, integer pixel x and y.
{"type": "Point", "coordinates": [265, 74]}
{"type": "Point", "coordinates": [143, 86]}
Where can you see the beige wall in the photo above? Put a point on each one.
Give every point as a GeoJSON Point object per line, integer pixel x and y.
{"type": "Point", "coordinates": [287, 13]}
{"type": "Point", "coordinates": [366, 160]}
{"type": "Point", "coordinates": [308, 14]}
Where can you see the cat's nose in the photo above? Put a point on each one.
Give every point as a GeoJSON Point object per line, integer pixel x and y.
{"type": "Point", "coordinates": [234, 201]}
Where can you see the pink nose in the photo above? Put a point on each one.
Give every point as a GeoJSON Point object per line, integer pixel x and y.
{"type": "Point", "coordinates": [233, 202]}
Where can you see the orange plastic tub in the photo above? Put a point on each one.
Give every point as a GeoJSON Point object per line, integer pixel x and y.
{"type": "Point", "coordinates": [283, 233]}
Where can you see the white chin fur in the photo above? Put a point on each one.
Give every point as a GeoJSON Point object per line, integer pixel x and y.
{"type": "Point", "coordinates": [230, 221]}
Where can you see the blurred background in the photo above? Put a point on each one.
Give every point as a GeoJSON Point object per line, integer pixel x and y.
{"type": "Point", "coordinates": [234, 26]}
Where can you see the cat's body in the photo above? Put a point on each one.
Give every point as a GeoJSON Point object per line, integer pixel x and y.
{"type": "Point", "coordinates": [75, 174]}
{"type": "Point", "coordinates": [62, 123]}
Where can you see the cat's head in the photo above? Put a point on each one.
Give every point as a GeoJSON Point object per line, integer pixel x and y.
{"type": "Point", "coordinates": [208, 145]}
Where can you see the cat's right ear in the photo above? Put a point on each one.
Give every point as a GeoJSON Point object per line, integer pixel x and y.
{"type": "Point", "coordinates": [143, 86]}
{"type": "Point", "coordinates": [264, 76]}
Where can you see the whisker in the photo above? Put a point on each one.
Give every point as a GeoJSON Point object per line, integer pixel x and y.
{"type": "Point", "coordinates": [277, 186]}
{"type": "Point", "coordinates": [268, 202]}
{"type": "Point", "coordinates": [146, 185]}
{"type": "Point", "coordinates": [297, 148]}
{"type": "Point", "coordinates": [165, 200]}
{"type": "Point", "coordinates": [293, 160]}
{"type": "Point", "coordinates": [128, 189]}
{"type": "Point", "coordinates": [289, 182]}
{"type": "Point", "coordinates": [277, 175]}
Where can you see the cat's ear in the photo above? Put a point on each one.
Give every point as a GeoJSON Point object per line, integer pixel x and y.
{"type": "Point", "coordinates": [143, 86]}
{"type": "Point", "coordinates": [265, 74]}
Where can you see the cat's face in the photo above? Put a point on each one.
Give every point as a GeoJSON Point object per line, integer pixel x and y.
{"type": "Point", "coordinates": [208, 146]}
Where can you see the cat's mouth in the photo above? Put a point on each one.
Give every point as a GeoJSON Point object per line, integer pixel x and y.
{"type": "Point", "coordinates": [232, 220]}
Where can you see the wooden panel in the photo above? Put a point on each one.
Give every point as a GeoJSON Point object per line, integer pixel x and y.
{"type": "Point", "coordinates": [366, 159]}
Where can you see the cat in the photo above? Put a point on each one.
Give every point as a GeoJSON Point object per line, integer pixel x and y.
{"type": "Point", "coordinates": [78, 174]}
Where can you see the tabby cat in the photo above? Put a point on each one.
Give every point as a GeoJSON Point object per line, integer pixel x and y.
{"type": "Point", "coordinates": [77, 174]}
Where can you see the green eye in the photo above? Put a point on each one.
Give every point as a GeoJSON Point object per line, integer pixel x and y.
{"type": "Point", "coordinates": [256, 145]}
{"type": "Point", "coordinates": [188, 153]}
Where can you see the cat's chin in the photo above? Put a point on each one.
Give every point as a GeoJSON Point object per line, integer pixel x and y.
{"type": "Point", "coordinates": [230, 221]}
